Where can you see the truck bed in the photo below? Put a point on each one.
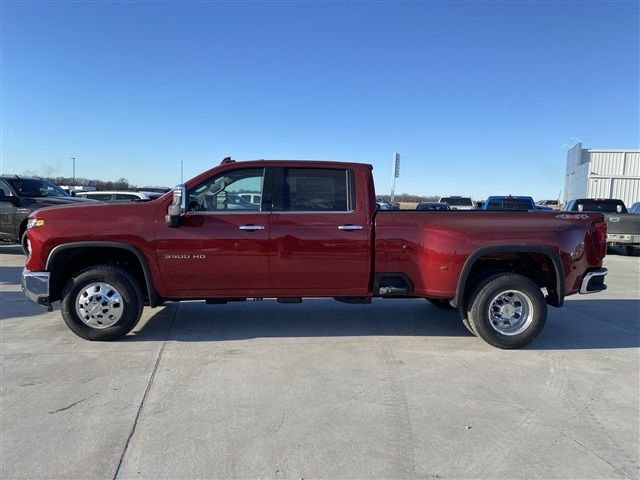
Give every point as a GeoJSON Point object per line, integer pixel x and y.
{"type": "Point", "coordinates": [432, 247]}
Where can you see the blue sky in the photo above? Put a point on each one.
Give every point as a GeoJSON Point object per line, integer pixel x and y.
{"type": "Point", "coordinates": [478, 97]}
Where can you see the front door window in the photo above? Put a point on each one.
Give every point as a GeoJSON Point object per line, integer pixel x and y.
{"type": "Point", "coordinates": [232, 191]}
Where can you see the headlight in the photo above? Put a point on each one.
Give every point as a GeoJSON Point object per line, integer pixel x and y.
{"type": "Point", "coordinates": [35, 222]}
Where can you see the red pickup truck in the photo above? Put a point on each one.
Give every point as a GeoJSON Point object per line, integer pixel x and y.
{"type": "Point", "coordinates": [294, 229]}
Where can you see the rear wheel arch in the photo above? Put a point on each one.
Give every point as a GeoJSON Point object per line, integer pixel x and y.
{"type": "Point", "coordinates": [69, 259]}
{"type": "Point", "coordinates": [487, 261]}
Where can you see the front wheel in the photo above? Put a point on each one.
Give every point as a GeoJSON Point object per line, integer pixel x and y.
{"type": "Point", "coordinates": [101, 303]}
{"type": "Point", "coordinates": [507, 310]}
{"type": "Point", "coordinates": [631, 250]}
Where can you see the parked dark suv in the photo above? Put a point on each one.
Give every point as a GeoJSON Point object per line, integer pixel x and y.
{"type": "Point", "coordinates": [19, 196]}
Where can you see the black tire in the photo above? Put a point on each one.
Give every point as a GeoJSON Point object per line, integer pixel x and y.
{"type": "Point", "coordinates": [441, 303]}
{"type": "Point", "coordinates": [446, 305]}
{"type": "Point", "coordinates": [631, 250]}
{"type": "Point", "coordinates": [462, 308]}
{"type": "Point", "coordinates": [524, 292]}
{"type": "Point", "coordinates": [124, 284]}
{"type": "Point", "coordinates": [24, 243]}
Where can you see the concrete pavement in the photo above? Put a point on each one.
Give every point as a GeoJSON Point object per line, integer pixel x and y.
{"type": "Point", "coordinates": [396, 389]}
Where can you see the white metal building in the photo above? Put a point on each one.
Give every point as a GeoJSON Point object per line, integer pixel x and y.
{"type": "Point", "coordinates": [594, 173]}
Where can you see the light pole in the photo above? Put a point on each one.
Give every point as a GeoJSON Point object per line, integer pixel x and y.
{"type": "Point", "coordinates": [74, 169]}
{"type": "Point", "coordinates": [395, 173]}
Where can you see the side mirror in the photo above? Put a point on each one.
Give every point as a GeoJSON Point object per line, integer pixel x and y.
{"type": "Point", "coordinates": [178, 206]}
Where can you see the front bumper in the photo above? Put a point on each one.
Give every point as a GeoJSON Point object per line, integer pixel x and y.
{"type": "Point", "coordinates": [593, 281]}
{"type": "Point", "coordinates": [614, 239]}
{"type": "Point", "coordinates": [35, 285]}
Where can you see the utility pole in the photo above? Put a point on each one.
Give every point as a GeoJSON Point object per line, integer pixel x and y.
{"type": "Point", "coordinates": [74, 169]}
{"type": "Point", "coordinates": [395, 173]}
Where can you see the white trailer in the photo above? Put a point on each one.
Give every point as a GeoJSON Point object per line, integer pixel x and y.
{"type": "Point", "coordinates": [602, 173]}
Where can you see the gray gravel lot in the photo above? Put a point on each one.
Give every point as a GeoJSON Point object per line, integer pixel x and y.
{"type": "Point", "coordinates": [397, 389]}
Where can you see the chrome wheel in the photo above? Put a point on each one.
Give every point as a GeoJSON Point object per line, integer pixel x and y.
{"type": "Point", "coordinates": [99, 305]}
{"type": "Point", "coordinates": [510, 312]}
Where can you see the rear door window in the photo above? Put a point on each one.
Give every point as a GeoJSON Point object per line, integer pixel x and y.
{"type": "Point", "coordinates": [315, 190]}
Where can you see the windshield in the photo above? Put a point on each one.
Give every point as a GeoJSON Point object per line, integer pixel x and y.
{"type": "Point", "coordinates": [31, 187]}
{"type": "Point", "coordinates": [457, 201]}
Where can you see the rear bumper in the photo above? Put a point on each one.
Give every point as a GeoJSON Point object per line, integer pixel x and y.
{"type": "Point", "coordinates": [623, 239]}
{"type": "Point", "coordinates": [593, 281]}
{"type": "Point", "coordinates": [35, 286]}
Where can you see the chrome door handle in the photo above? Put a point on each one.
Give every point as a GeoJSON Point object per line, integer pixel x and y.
{"type": "Point", "coordinates": [251, 227]}
{"type": "Point", "coordinates": [350, 227]}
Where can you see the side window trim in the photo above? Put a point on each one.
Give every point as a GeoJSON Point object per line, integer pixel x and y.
{"type": "Point", "coordinates": [351, 195]}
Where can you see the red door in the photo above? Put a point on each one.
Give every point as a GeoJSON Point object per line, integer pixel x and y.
{"type": "Point", "coordinates": [320, 235]}
{"type": "Point", "coordinates": [221, 247]}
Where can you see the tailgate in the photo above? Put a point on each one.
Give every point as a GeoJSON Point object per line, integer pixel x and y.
{"type": "Point", "coordinates": [623, 223]}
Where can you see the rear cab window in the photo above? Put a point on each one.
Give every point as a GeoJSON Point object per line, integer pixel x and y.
{"type": "Point", "coordinates": [457, 201]}
{"type": "Point", "coordinates": [596, 205]}
{"type": "Point", "coordinates": [510, 204]}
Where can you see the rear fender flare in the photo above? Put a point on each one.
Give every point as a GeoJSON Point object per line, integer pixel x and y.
{"type": "Point", "coordinates": [481, 252]}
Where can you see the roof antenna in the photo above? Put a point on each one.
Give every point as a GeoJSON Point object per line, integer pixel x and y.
{"type": "Point", "coordinates": [226, 160]}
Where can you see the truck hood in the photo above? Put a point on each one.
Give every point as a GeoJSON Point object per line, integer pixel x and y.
{"type": "Point", "coordinates": [86, 209]}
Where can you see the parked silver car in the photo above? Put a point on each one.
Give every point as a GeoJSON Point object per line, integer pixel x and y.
{"type": "Point", "coordinates": [120, 196]}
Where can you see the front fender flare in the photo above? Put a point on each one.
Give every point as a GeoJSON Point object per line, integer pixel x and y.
{"type": "Point", "coordinates": [154, 297]}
